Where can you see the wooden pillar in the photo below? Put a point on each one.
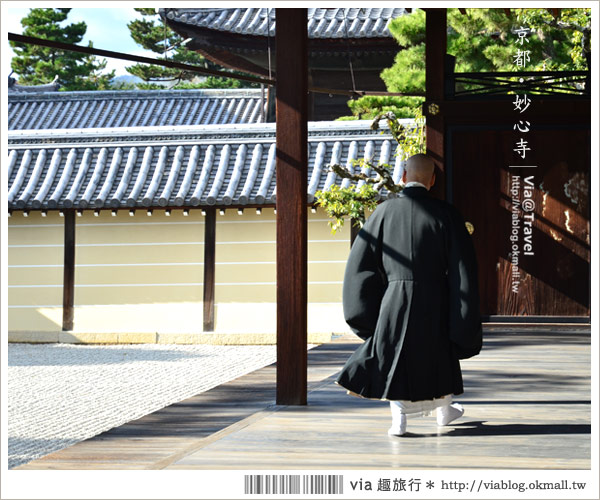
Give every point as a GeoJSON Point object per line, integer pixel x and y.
{"type": "Point", "coordinates": [210, 226]}
{"type": "Point", "coordinates": [69, 271]}
{"type": "Point", "coordinates": [291, 165]}
{"type": "Point", "coordinates": [270, 105]}
{"type": "Point", "coordinates": [435, 52]}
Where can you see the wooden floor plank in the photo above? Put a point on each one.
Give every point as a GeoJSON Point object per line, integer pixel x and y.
{"type": "Point", "coordinates": [527, 400]}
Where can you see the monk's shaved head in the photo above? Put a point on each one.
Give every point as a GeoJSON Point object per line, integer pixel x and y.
{"type": "Point", "coordinates": [419, 168]}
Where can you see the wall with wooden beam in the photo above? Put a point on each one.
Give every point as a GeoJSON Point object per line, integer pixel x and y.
{"type": "Point", "coordinates": [144, 274]}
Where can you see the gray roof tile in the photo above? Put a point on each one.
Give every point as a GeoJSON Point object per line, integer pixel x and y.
{"type": "Point", "coordinates": [322, 23]}
{"type": "Point", "coordinates": [175, 166]}
{"type": "Point", "coordinates": [136, 108]}
{"type": "Point", "coordinates": [14, 87]}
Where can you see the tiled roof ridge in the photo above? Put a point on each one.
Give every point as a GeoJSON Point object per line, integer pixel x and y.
{"type": "Point", "coordinates": [16, 89]}
{"type": "Point", "coordinates": [109, 109]}
{"type": "Point", "coordinates": [128, 94]}
{"type": "Point", "coordinates": [177, 166]}
{"type": "Point", "coordinates": [322, 23]}
{"type": "Point", "coordinates": [252, 131]}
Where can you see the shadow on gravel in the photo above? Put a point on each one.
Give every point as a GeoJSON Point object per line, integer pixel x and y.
{"type": "Point", "coordinates": [23, 450]}
{"type": "Point", "coordinates": [84, 355]}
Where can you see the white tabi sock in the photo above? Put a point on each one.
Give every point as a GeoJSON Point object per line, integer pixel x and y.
{"type": "Point", "coordinates": [398, 427]}
{"type": "Point", "coordinates": [449, 413]}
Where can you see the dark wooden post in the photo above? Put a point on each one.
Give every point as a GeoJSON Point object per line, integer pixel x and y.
{"type": "Point", "coordinates": [435, 52]}
{"type": "Point", "coordinates": [69, 271]}
{"type": "Point", "coordinates": [292, 136]}
{"type": "Point", "coordinates": [210, 225]}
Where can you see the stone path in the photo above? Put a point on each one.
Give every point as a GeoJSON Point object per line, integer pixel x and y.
{"type": "Point", "coordinates": [60, 394]}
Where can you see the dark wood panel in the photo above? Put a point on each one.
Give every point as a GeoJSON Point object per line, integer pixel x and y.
{"type": "Point", "coordinates": [559, 112]}
{"type": "Point", "coordinates": [555, 281]}
{"type": "Point", "coordinates": [475, 182]}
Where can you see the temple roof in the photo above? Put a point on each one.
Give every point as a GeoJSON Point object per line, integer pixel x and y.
{"type": "Point", "coordinates": [322, 23]}
{"type": "Point", "coordinates": [133, 108]}
{"type": "Point", "coordinates": [15, 88]}
{"type": "Point", "coordinates": [184, 166]}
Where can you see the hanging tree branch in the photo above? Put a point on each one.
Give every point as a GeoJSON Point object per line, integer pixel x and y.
{"type": "Point", "coordinates": [383, 180]}
{"type": "Point", "coordinates": [410, 142]}
{"type": "Point", "coordinates": [351, 202]}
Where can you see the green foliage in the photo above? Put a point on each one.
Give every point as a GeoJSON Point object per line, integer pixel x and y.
{"type": "Point", "coordinates": [351, 202]}
{"type": "Point", "coordinates": [149, 86]}
{"type": "Point", "coordinates": [368, 107]}
{"type": "Point", "coordinates": [157, 37]}
{"type": "Point", "coordinates": [154, 35]}
{"type": "Point", "coordinates": [482, 40]}
{"type": "Point", "coordinates": [412, 77]}
{"type": "Point", "coordinates": [490, 33]}
{"type": "Point", "coordinates": [410, 139]}
{"type": "Point", "coordinates": [121, 85]}
{"type": "Point", "coordinates": [340, 203]}
{"type": "Point", "coordinates": [211, 82]}
{"type": "Point", "coordinates": [565, 40]}
{"type": "Point", "coordinates": [38, 65]}
{"type": "Point", "coordinates": [409, 30]}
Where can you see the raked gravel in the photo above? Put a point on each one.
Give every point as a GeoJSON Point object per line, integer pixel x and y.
{"type": "Point", "coordinates": [60, 394]}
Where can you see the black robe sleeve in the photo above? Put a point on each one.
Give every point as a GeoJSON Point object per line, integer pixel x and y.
{"type": "Point", "coordinates": [364, 281]}
{"type": "Point", "coordinates": [465, 318]}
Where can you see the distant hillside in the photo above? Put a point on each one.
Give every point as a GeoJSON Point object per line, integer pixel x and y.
{"type": "Point", "coordinates": [127, 79]}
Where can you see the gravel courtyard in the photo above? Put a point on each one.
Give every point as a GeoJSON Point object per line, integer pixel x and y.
{"type": "Point", "coordinates": [59, 394]}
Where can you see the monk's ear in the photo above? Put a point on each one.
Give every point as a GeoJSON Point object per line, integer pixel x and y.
{"type": "Point", "coordinates": [432, 179]}
{"type": "Point", "coordinates": [404, 177]}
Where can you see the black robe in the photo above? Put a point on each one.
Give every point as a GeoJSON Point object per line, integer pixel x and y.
{"type": "Point", "coordinates": [411, 293]}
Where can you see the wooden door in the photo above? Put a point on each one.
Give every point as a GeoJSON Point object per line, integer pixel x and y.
{"type": "Point", "coordinates": [550, 275]}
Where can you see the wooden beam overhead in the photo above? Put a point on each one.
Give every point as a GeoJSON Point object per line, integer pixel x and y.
{"type": "Point", "coordinates": [546, 112]}
{"type": "Point", "coordinates": [69, 271]}
{"type": "Point", "coordinates": [210, 226]}
{"type": "Point", "coordinates": [167, 63]}
{"type": "Point", "coordinates": [291, 171]}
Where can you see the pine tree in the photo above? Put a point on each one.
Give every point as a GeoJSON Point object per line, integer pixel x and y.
{"type": "Point", "coordinates": [482, 40]}
{"type": "Point", "coordinates": [36, 65]}
{"type": "Point", "coordinates": [153, 34]}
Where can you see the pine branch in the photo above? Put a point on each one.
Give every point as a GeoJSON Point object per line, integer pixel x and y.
{"type": "Point", "coordinates": [383, 178]}
{"type": "Point", "coordinates": [567, 26]}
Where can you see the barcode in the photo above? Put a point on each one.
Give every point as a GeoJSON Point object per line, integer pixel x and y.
{"type": "Point", "coordinates": [293, 484]}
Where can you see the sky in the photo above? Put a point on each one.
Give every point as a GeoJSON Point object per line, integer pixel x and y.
{"type": "Point", "coordinates": [106, 28]}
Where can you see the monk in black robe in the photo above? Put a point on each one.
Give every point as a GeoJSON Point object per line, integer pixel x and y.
{"type": "Point", "coordinates": [411, 293]}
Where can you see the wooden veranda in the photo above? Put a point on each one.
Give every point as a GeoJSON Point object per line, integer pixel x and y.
{"type": "Point", "coordinates": [527, 406]}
